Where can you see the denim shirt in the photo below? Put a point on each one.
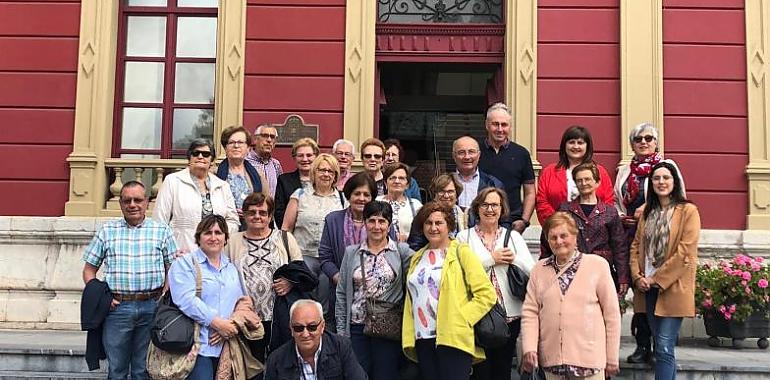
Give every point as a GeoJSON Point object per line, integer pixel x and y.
{"type": "Point", "coordinates": [221, 290]}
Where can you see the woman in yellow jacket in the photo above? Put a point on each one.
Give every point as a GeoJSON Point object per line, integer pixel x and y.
{"type": "Point", "coordinates": [448, 292]}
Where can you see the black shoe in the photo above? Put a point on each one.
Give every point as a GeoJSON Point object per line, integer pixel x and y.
{"type": "Point", "coordinates": [641, 355]}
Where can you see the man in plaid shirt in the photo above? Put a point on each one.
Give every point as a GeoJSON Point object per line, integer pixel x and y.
{"type": "Point", "coordinates": [136, 253]}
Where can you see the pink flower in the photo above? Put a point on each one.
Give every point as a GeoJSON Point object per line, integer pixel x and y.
{"type": "Point", "coordinates": [748, 290]}
{"type": "Point", "coordinates": [746, 276]}
{"type": "Point", "coordinates": [744, 283]}
{"type": "Point", "coordinates": [755, 267]}
{"type": "Point", "coordinates": [728, 316]}
{"type": "Point", "coordinates": [722, 309]}
{"type": "Point", "coordinates": [762, 283]}
{"type": "Point", "coordinates": [759, 259]}
{"type": "Point", "coordinates": [707, 303]}
{"type": "Point", "coordinates": [732, 308]}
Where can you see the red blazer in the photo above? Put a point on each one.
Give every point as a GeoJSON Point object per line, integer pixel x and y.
{"type": "Point", "coordinates": [552, 190]}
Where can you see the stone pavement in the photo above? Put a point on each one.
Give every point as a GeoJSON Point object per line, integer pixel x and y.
{"type": "Point", "coordinates": [58, 354]}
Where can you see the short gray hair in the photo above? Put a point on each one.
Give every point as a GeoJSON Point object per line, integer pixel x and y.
{"type": "Point", "coordinates": [304, 302]}
{"type": "Point", "coordinates": [343, 141]}
{"type": "Point", "coordinates": [636, 131]}
{"type": "Point", "coordinates": [259, 129]}
{"type": "Point", "coordinates": [499, 106]}
{"type": "Point", "coordinates": [199, 142]}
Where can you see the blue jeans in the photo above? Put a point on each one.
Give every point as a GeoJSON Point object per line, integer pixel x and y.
{"type": "Point", "coordinates": [665, 332]}
{"type": "Point", "coordinates": [378, 357]}
{"type": "Point", "coordinates": [125, 338]}
{"type": "Point", "coordinates": [205, 368]}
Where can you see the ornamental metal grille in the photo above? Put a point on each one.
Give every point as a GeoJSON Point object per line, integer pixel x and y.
{"type": "Point", "coordinates": [437, 11]}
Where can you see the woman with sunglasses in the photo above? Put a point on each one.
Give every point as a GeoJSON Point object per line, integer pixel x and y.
{"type": "Point", "coordinates": [258, 252]}
{"type": "Point", "coordinates": [631, 186]}
{"type": "Point", "coordinates": [305, 215]}
{"type": "Point", "coordinates": [404, 208]}
{"type": "Point", "coordinates": [381, 279]}
{"type": "Point", "coordinates": [487, 240]}
{"type": "Point", "coordinates": [193, 193]}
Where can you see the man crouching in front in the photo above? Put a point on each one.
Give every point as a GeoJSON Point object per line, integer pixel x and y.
{"type": "Point", "coordinates": [313, 355]}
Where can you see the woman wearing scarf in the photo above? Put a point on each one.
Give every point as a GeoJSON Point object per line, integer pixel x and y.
{"type": "Point", "coordinates": [630, 188]}
{"type": "Point", "coordinates": [664, 256]}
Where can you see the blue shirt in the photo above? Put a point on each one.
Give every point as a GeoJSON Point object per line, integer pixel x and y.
{"type": "Point", "coordinates": [221, 290]}
{"type": "Point", "coordinates": [134, 257]}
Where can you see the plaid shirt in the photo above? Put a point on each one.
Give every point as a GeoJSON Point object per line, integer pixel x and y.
{"type": "Point", "coordinates": [270, 168]}
{"type": "Point", "coordinates": [306, 370]}
{"type": "Point", "coordinates": [134, 257]}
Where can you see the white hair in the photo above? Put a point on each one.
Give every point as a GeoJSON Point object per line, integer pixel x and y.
{"type": "Point", "coordinates": [498, 107]}
{"type": "Point", "coordinates": [259, 129]}
{"type": "Point", "coordinates": [347, 142]}
{"type": "Point", "coordinates": [304, 302]}
{"type": "Point", "coordinates": [636, 131]}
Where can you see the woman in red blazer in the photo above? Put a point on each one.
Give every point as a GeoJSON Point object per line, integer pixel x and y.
{"type": "Point", "coordinates": [556, 186]}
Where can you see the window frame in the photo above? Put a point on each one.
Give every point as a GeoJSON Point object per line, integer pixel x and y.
{"type": "Point", "coordinates": [172, 13]}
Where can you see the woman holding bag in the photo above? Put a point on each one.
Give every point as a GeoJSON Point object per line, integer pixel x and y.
{"type": "Point", "coordinates": [373, 272]}
{"type": "Point", "coordinates": [448, 293]}
{"type": "Point", "coordinates": [488, 241]}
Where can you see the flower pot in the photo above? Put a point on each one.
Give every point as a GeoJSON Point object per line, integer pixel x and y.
{"type": "Point", "coordinates": [755, 326]}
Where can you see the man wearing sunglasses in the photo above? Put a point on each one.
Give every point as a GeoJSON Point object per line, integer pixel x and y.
{"type": "Point", "coordinates": [314, 354]}
{"type": "Point", "coordinates": [261, 156]}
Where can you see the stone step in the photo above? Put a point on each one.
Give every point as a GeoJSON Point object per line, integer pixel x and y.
{"type": "Point", "coordinates": [25, 375]}
{"type": "Point", "coordinates": [45, 354]}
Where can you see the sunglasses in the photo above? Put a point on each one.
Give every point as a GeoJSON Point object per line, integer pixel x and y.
{"type": "Point", "coordinates": [311, 327]}
{"type": "Point", "coordinates": [267, 136]}
{"type": "Point", "coordinates": [369, 156]}
{"type": "Point", "coordinates": [201, 153]}
{"type": "Point", "coordinates": [647, 138]}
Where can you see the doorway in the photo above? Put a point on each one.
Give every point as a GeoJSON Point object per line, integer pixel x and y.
{"type": "Point", "coordinates": [429, 105]}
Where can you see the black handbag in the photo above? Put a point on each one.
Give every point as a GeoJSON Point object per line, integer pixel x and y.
{"type": "Point", "coordinates": [491, 331]}
{"type": "Point", "coordinates": [172, 331]}
{"type": "Point", "coordinates": [517, 278]}
{"type": "Point", "coordinates": [383, 319]}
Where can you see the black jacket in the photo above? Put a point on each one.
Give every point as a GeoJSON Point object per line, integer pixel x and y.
{"type": "Point", "coordinates": [303, 283]}
{"type": "Point", "coordinates": [287, 183]}
{"type": "Point", "coordinates": [336, 361]}
{"type": "Point", "coordinates": [94, 307]}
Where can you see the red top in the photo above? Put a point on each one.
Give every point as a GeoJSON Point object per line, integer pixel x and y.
{"type": "Point", "coordinates": [552, 190]}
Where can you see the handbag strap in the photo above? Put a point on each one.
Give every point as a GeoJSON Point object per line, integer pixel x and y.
{"type": "Point", "coordinates": [507, 237]}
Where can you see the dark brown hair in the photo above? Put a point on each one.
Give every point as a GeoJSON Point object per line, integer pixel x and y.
{"type": "Point", "coordinates": [430, 208]}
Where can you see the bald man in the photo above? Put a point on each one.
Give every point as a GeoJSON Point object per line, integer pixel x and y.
{"type": "Point", "coordinates": [466, 153]}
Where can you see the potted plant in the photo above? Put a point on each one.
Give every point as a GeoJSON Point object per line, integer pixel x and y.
{"type": "Point", "coordinates": [733, 298]}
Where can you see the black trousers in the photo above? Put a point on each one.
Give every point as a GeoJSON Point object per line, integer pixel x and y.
{"type": "Point", "coordinates": [499, 363]}
{"type": "Point", "coordinates": [442, 362]}
{"type": "Point", "coordinates": [261, 348]}
{"type": "Point", "coordinates": [640, 328]}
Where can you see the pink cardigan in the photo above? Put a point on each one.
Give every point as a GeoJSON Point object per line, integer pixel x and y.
{"type": "Point", "coordinates": [581, 328]}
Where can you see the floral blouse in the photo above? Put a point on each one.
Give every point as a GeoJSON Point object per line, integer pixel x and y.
{"type": "Point", "coordinates": [240, 186]}
{"type": "Point", "coordinates": [379, 278]}
{"type": "Point", "coordinates": [423, 285]}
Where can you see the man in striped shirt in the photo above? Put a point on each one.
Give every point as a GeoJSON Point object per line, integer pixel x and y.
{"type": "Point", "coordinates": [136, 253]}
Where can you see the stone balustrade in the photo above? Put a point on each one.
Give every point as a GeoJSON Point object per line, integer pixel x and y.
{"type": "Point", "coordinates": [150, 172]}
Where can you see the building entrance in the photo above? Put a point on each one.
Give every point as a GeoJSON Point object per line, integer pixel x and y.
{"type": "Point", "coordinates": [428, 105]}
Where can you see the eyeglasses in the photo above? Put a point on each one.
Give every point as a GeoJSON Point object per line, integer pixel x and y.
{"type": "Point", "coordinates": [369, 156]}
{"type": "Point", "coordinates": [310, 327]}
{"type": "Point", "coordinates": [391, 154]}
{"type": "Point", "coordinates": [444, 193]}
{"type": "Point", "coordinates": [490, 206]}
{"type": "Point", "coordinates": [201, 153]}
{"type": "Point", "coordinates": [397, 179]}
{"type": "Point", "coordinates": [267, 136]}
{"type": "Point", "coordinates": [582, 181]}
{"type": "Point", "coordinates": [344, 154]}
{"type": "Point", "coordinates": [498, 124]}
{"type": "Point", "coordinates": [261, 213]}
{"type": "Point", "coordinates": [647, 138]}
{"type": "Point", "coordinates": [236, 143]}
{"type": "Point", "coordinates": [325, 171]}
{"type": "Point", "coordinates": [469, 152]}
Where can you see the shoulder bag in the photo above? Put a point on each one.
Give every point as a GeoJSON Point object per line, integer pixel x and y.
{"type": "Point", "coordinates": [383, 319]}
{"type": "Point", "coordinates": [517, 278]}
{"type": "Point", "coordinates": [166, 365]}
{"type": "Point", "coordinates": [491, 331]}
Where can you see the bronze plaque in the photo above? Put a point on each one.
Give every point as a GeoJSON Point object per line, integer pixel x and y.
{"type": "Point", "coordinates": [293, 129]}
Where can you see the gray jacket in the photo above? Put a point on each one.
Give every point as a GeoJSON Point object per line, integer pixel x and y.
{"type": "Point", "coordinates": [398, 260]}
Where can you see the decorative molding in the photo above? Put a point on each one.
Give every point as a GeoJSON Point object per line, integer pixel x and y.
{"type": "Point", "coordinates": [94, 106]}
{"type": "Point", "coordinates": [360, 45]}
{"type": "Point", "coordinates": [443, 29]}
{"type": "Point", "coordinates": [641, 69]}
{"type": "Point", "coordinates": [520, 65]}
{"type": "Point", "coordinates": [758, 94]}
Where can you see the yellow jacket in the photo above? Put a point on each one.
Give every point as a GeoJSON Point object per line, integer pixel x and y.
{"type": "Point", "coordinates": [457, 313]}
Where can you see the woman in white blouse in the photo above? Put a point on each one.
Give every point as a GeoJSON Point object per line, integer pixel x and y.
{"type": "Point", "coordinates": [487, 240]}
{"type": "Point", "coordinates": [404, 208]}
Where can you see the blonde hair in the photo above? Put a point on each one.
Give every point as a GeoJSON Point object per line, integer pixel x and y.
{"type": "Point", "coordinates": [329, 159]}
{"type": "Point", "coordinates": [560, 218]}
{"type": "Point", "coordinates": [305, 141]}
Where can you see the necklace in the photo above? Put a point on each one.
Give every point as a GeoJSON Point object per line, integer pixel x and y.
{"type": "Point", "coordinates": [566, 263]}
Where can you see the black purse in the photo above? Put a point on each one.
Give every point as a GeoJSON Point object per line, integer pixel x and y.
{"type": "Point", "coordinates": [491, 331]}
{"type": "Point", "coordinates": [383, 319]}
{"type": "Point", "coordinates": [172, 331]}
{"type": "Point", "coordinates": [517, 278]}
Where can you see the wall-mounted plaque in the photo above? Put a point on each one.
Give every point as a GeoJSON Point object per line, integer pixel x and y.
{"type": "Point", "coordinates": [293, 129]}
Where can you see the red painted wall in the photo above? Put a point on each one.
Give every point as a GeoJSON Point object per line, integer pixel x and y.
{"type": "Point", "coordinates": [295, 52]}
{"type": "Point", "coordinates": [579, 76]}
{"type": "Point", "coordinates": [705, 107]}
{"type": "Point", "coordinates": [38, 63]}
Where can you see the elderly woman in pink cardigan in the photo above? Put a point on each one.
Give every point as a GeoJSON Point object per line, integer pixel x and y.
{"type": "Point", "coordinates": [571, 318]}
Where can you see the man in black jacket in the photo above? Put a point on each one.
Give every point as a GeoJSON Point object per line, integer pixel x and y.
{"type": "Point", "coordinates": [313, 354]}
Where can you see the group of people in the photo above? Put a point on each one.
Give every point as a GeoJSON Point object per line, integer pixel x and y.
{"type": "Point", "coordinates": [351, 274]}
